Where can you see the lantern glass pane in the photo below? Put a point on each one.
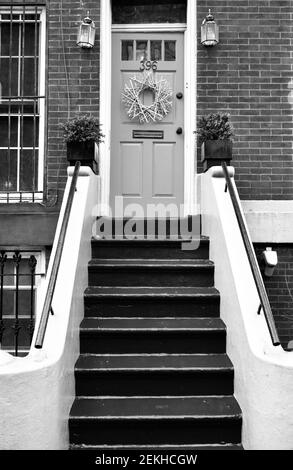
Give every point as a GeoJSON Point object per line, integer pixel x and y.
{"type": "Point", "coordinates": [211, 31]}
{"type": "Point", "coordinates": [84, 33]}
{"type": "Point", "coordinates": [92, 36]}
{"type": "Point", "coordinates": [217, 33]}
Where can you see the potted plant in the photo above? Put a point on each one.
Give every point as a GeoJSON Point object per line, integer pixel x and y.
{"type": "Point", "coordinates": [82, 135]}
{"type": "Point", "coordinates": [216, 134]}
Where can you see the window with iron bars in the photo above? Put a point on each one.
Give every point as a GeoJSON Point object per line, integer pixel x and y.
{"type": "Point", "coordinates": [22, 102]}
{"type": "Point", "coordinates": [21, 275]}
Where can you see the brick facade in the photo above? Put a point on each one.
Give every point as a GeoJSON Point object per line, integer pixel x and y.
{"type": "Point", "coordinates": [73, 78]}
{"type": "Point", "coordinates": [249, 74]}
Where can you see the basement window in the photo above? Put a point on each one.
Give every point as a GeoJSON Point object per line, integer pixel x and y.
{"type": "Point", "coordinates": [22, 102]}
{"type": "Point", "coordinates": [149, 11]}
{"type": "Point", "coordinates": [22, 273]}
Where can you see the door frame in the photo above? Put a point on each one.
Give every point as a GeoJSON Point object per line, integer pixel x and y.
{"type": "Point", "coordinates": [190, 113]}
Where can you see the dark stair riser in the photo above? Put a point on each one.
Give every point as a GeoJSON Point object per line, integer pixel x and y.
{"type": "Point", "coordinates": [113, 342]}
{"type": "Point", "coordinates": [162, 307]}
{"type": "Point", "coordinates": [158, 447]}
{"type": "Point", "coordinates": [155, 276]}
{"type": "Point", "coordinates": [154, 383]}
{"type": "Point", "coordinates": [95, 431]}
{"type": "Point", "coordinates": [193, 400]}
{"type": "Point", "coordinates": [163, 227]}
{"type": "Point", "coordinates": [103, 249]}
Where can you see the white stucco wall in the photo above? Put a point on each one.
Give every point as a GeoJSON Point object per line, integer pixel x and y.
{"type": "Point", "coordinates": [269, 221]}
{"type": "Point", "coordinates": [263, 373]}
{"type": "Point", "coordinates": [37, 391]}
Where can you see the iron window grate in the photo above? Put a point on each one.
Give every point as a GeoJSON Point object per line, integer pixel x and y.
{"type": "Point", "coordinates": [21, 102]}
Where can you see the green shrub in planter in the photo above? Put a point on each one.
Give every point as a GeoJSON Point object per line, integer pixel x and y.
{"type": "Point", "coordinates": [215, 134]}
{"type": "Point", "coordinates": [81, 135]}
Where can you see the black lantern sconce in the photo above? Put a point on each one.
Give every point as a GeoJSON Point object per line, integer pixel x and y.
{"type": "Point", "coordinates": [86, 33]}
{"type": "Point", "coordinates": [209, 31]}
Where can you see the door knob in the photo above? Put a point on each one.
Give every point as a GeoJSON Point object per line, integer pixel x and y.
{"type": "Point", "coordinates": [179, 131]}
{"type": "Point", "coordinates": [179, 96]}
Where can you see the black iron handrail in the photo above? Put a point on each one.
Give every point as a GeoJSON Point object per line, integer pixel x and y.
{"type": "Point", "coordinates": [264, 301]}
{"type": "Point", "coordinates": [47, 308]}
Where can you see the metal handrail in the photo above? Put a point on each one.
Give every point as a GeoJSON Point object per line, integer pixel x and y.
{"type": "Point", "coordinates": [47, 308]}
{"type": "Point", "coordinates": [264, 301]}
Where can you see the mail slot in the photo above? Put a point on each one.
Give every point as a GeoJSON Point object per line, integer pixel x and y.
{"type": "Point", "coordinates": [148, 135]}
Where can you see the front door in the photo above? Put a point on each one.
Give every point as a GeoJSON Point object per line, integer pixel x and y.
{"type": "Point", "coordinates": [147, 143]}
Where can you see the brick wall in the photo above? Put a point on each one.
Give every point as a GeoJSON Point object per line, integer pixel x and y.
{"type": "Point", "coordinates": [249, 74]}
{"type": "Point", "coordinates": [72, 78]}
{"type": "Point", "coordinates": [280, 289]}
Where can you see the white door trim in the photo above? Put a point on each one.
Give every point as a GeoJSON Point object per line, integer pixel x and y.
{"type": "Point", "coordinates": [190, 111]}
{"type": "Point", "coordinates": [189, 94]}
{"type": "Point", "coordinates": [149, 28]}
{"type": "Point", "coordinates": [105, 103]}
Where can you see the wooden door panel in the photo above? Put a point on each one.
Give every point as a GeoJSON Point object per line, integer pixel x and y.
{"type": "Point", "coordinates": [131, 168]}
{"type": "Point", "coordinates": [163, 170]}
{"type": "Point", "coordinates": [147, 159]}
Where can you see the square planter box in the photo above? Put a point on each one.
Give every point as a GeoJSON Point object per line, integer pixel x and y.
{"type": "Point", "coordinates": [214, 152]}
{"type": "Point", "coordinates": [85, 152]}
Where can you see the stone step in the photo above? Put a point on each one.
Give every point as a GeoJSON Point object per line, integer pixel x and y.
{"type": "Point", "coordinates": [150, 249]}
{"type": "Point", "coordinates": [150, 301]}
{"type": "Point", "coordinates": [152, 421]}
{"type": "Point", "coordinates": [165, 447]}
{"type": "Point", "coordinates": [163, 227]}
{"type": "Point", "coordinates": [152, 335]}
{"type": "Point", "coordinates": [154, 374]}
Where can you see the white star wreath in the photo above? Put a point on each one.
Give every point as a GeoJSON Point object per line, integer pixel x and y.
{"type": "Point", "coordinates": [161, 106]}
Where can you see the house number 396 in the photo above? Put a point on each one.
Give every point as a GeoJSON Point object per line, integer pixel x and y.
{"type": "Point", "coordinates": [148, 65]}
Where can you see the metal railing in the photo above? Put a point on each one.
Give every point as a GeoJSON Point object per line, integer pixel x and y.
{"type": "Point", "coordinates": [47, 308]}
{"type": "Point", "coordinates": [17, 300]}
{"type": "Point", "coordinates": [264, 301]}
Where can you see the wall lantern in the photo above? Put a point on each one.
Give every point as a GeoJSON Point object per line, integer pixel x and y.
{"type": "Point", "coordinates": [86, 33]}
{"type": "Point", "coordinates": [209, 31]}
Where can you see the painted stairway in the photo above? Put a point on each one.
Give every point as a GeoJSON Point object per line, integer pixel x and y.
{"type": "Point", "coordinates": [153, 370]}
